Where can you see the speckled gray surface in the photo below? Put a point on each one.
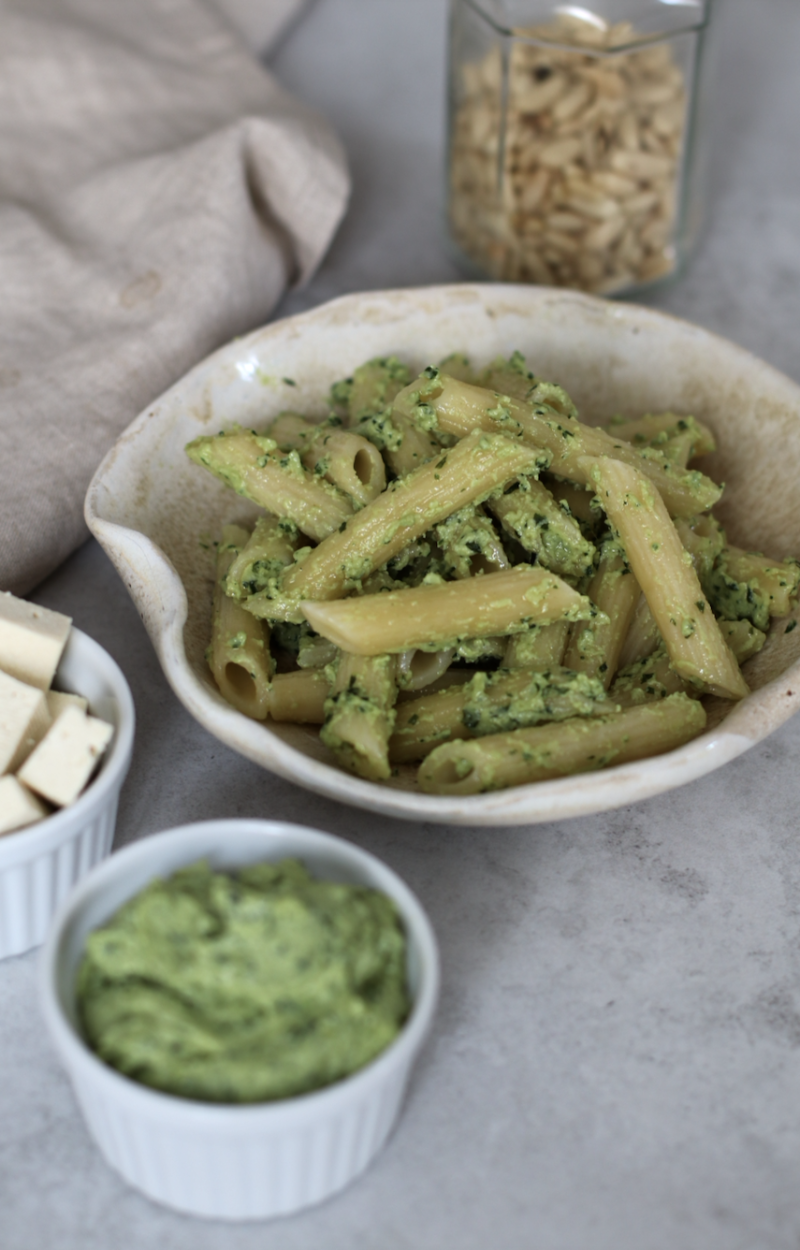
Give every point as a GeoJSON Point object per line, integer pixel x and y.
{"type": "Point", "coordinates": [616, 1060]}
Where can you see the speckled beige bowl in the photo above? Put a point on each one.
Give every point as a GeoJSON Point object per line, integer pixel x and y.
{"type": "Point", "coordinates": [151, 508]}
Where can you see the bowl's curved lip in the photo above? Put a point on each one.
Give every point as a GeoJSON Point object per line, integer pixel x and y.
{"type": "Point", "coordinates": [190, 842]}
{"type": "Point", "coordinates": [752, 720]}
{"type": "Point", "coordinates": [33, 840]}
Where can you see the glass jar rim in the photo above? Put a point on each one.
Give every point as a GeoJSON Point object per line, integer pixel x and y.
{"type": "Point", "coordinates": [642, 39]}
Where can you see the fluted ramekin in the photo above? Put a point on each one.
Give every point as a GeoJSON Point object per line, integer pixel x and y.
{"type": "Point", "coordinates": [240, 1162]}
{"type": "Point", "coordinates": [41, 863]}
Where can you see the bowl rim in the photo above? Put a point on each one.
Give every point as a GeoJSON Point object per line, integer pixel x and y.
{"type": "Point", "coordinates": [535, 802]}
{"type": "Point", "coordinates": [34, 839]}
{"type": "Point", "coordinates": [398, 1055]}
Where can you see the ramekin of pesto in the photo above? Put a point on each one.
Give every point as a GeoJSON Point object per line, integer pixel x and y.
{"type": "Point", "coordinates": [239, 987]}
{"type": "Point", "coordinates": [239, 1005]}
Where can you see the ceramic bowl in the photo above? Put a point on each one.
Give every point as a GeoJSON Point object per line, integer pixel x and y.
{"type": "Point", "coordinates": [235, 1162]}
{"type": "Point", "coordinates": [40, 864]}
{"type": "Point", "coordinates": [151, 508]}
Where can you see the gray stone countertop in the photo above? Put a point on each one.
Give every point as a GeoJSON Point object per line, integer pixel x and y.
{"type": "Point", "coordinates": [616, 1060]}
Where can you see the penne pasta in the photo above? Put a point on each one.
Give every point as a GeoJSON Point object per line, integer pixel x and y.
{"type": "Point", "coordinates": [477, 465]}
{"type": "Point", "coordinates": [642, 637]}
{"type": "Point", "coordinates": [498, 627]}
{"type": "Point", "coordinates": [367, 398]}
{"type": "Point", "coordinates": [594, 646]}
{"type": "Point", "coordinates": [238, 655]}
{"type": "Point", "coordinates": [470, 544]}
{"type": "Point", "coordinates": [656, 429]}
{"type": "Point", "coordinates": [539, 646]}
{"type": "Point", "coordinates": [259, 564]}
{"type": "Point", "coordinates": [359, 714]}
{"type": "Point", "coordinates": [254, 467]}
{"type": "Point", "coordinates": [747, 585]}
{"type": "Point", "coordinates": [531, 515]}
{"type": "Point", "coordinates": [457, 407]}
{"type": "Point", "coordinates": [490, 703]}
{"type": "Point", "coordinates": [299, 696]}
{"type": "Point", "coordinates": [371, 389]}
{"type": "Point", "coordinates": [571, 746]}
{"type": "Point", "coordinates": [648, 679]}
{"type": "Point", "coordinates": [417, 669]}
{"type": "Point", "coordinates": [342, 457]}
{"type": "Point", "coordinates": [432, 616]}
{"type": "Point", "coordinates": [743, 639]}
{"type": "Point", "coordinates": [697, 649]}
{"type": "Point", "coordinates": [578, 499]}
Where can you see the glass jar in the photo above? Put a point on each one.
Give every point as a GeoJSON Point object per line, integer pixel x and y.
{"type": "Point", "coordinates": [573, 155]}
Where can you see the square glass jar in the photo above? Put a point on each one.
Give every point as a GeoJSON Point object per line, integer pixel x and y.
{"type": "Point", "coordinates": [574, 153]}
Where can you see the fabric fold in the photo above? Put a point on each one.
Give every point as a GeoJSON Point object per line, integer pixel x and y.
{"type": "Point", "coordinates": [158, 191]}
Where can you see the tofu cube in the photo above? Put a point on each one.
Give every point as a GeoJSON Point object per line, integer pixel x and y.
{"type": "Point", "coordinates": [63, 762]}
{"type": "Point", "coordinates": [18, 807]}
{"type": "Point", "coordinates": [24, 720]}
{"type": "Point", "coordinates": [57, 700]}
{"type": "Point", "coordinates": [32, 640]}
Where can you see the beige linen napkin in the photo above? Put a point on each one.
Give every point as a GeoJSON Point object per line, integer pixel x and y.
{"type": "Point", "coordinates": [158, 191]}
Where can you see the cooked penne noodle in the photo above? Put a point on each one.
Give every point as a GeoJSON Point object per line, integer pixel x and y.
{"type": "Point", "coordinates": [372, 387]}
{"type": "Point", "coordinates": [642, 638]}
{"type": "Point", "coordinates": [743, 638]}
{"type": "Point", "coordinates": [540, 525]}
{"type": "Point", "coordinates": [697, 649]}
{"type": "Point", "coordinates": [418, 669]}
{"type": "Point", "coordinates": [648, 679]}
{"type": "Point", "coordinates": [238, 656]}
{"type": "Point", "coordinates": [290, 430]}
{"type": "Point", "coordinates": [577, 498]}
{"type": "Point", "coordinates": [255, 468]}
{"type": "Point", "coordinates": [469, 544]}
{"type": "Point", "coordinates": [571, 746]}
{"type": "Point", "coordinates": [595, 646]}
{"type": "Point", "coordinates": [663, 427]}
{"type": "Point", "coordinates": [415, 447]}
{"type": "Point", "coordinates": [410, 506]}
{"type": "Point", "coordinates": [432, 616]}
{"type": "Point", "coordinates": [440, 619]}
{"type": "Point", "coordinates": [458, 407]}
{"type": "Point", "coordinates": [299, 696]}
{"type": "Point", "coordinates": [315, 652]}
{"type": "Point", "coordinates": [539, 646]}
{"type": "Point", "coordinates": [262, 559]}
{"type": "Point", "coordinates": [359, 714]}
{"type": "Point", "coordinates": [352, 463]}
{"type": "Point", "coordinates": [704, 539]}
{"type": "Point", "coordinates": [776, 581]}
{"type": "Point", "coordinates": [489, 703]}
{"type": "Point", "coordinates": [507, 377]}
{"type": "Point", "coordinates": [678, 450]}
{"type": "Point", "coordinates": [367, 398]}
{"type": "Point", "coordinates": [343, 457]}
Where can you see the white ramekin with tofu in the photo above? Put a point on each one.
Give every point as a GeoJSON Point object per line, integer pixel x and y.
{"type": "Point", "coordinates": [66, 736]}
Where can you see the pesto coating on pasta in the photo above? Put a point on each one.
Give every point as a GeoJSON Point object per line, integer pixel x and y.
{"type": "Point", "coordinates": [454, 560]}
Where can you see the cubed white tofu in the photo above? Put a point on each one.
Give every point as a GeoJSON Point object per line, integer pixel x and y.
{"type": "Point", "coordinates": [63, 762]}
{"type": "Point", "coordinates": [24, 720]}
{"type": "Point", "coordinates": [57, 700]}
{"type": "Point", "coordinates": [32, 640]}
{"type": "Point", "coordinates": [18, 807]}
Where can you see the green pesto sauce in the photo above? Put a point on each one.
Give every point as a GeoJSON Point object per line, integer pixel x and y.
{"type": "Point", "coordinates": [734, 600]}
{"type": "Point", "coordinates": [553, 695]}
{"type": "Point", "coordinates": [246, 987]}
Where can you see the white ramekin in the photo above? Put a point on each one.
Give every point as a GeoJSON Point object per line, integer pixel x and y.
{"type": "Point", "coordinates": [40, 864]}
{"type": "Point", "coordinates": [235, 1162]}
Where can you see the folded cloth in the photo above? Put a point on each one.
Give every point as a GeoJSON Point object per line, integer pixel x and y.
{"type": "Point", "coordinates": [158, 192]}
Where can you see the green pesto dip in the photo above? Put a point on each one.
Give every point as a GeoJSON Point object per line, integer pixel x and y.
{"type": "Point", "coordinates": [245, 987]}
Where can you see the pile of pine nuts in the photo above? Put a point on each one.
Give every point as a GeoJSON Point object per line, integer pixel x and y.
{"type": "Point", "coordinates": [574, 180]}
